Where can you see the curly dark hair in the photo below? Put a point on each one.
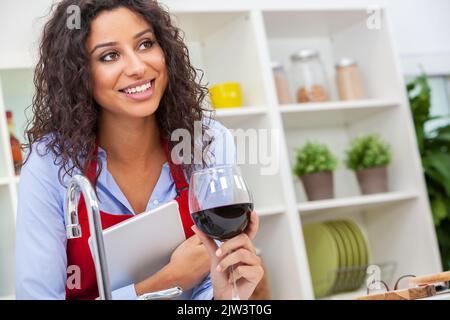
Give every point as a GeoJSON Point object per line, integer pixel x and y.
{"type": "Point", "coordinates": [63, 105]}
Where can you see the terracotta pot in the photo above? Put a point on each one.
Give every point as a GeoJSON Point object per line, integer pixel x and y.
{"type": "Point", "coordinates": [372, 180]}
{"type": "Point", "coordinates": [318, 185]}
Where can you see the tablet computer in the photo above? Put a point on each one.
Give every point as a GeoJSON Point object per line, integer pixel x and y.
{"type": "Point", "coordinates": [140, 246]}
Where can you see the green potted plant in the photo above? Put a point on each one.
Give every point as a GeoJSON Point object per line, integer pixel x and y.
{"type": "Point", "coordinates": [369, 156]}
{"type": "Point", "coordinates": [314, 166]}
{"type": "Point", "coordinates": [434, 148]}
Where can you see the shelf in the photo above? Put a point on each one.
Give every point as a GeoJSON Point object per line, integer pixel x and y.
{"type": "Point", "coordinates": [240, 112]}
{"type": "Point", "coordinates": [238, 5]}
{"type": "Point", "coordinates": [239, 117]}
{"type": "Point", "coordinates": [270, 210]}
{"type": "Point", "coordinates": [224, 46]}
{"type": "Point", "coordinates": [15, 60]}
{"type": "Point", "coordinates": [359, 202]}
{"type": "Point", "coordinates": [332, 113]}
{"type": "Point", "coordinates": [4, 181]}
{"type": "Point", "coordinates": [309, 23]}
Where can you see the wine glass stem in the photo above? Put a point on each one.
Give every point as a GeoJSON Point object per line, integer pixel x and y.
{"type": "Point", "coordinates": [234, 290]}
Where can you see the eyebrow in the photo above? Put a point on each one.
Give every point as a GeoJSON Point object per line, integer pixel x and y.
{"type": "Point", "coordinates": [110, 44]}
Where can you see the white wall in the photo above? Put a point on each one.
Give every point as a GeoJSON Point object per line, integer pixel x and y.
{"type": "Point", "coordinates": [20, 27]}
{"type": "Point", "coordinates": [421, 26]}
{"type": "Point", "coordinates": [421, 30]}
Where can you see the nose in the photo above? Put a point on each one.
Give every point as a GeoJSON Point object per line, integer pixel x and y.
{"type": "Point", "coordinates": [135, 66]}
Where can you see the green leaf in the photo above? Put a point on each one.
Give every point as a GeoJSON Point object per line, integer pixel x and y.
{"type": "Point", "coordinates": [437, 165]}
{"type": "Point", "coordinates": [434, 150]}
{"type": "Point", "coordinates": [444, 137]}
{"type": "Point", "coordinates": [439, 210]}
{"type": "Point", "coordinates": [314, 157]}
{"type": "Point", "coordinates": [368, 151]}
{"type": "Point", "coordinates": [419, 98]}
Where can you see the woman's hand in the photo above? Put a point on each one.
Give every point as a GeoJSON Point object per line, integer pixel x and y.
{"type": "Point", "coordinates": [190, 262]}
{"type": "Point", "coordinates": [240, 252]}
{"type": "Point", "coordinates": [188, 266]}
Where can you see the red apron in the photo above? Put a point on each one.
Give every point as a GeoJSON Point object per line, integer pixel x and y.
{"type": "Point", "coordinates": [78, 252]}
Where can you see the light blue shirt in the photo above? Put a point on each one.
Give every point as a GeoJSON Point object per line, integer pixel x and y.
{"type": "Point", "coordinates": [41, 260]}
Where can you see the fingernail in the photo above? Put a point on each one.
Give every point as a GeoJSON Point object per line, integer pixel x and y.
{"type": "Point", "coordinates": [218, 268]}
{"type": "Point", "coordinates": [218, 252]}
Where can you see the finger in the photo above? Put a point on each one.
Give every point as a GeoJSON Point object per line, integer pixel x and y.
{"type": "Point", "coordinates": [240, 256]}
{"type": "Point", "coordinates": [210, 245]}
{"type": "Point", "coordinates": [253, 226]}
{"type": "Point", "coordinates": [253, 274]}
{"type": "Point", "coordinates": [240, 241]}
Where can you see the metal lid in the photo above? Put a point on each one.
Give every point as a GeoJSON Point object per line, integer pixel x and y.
{"type": "Point", "coordinates": [304, 54]}
{"type": "Point", "coordinates": [345, 62]}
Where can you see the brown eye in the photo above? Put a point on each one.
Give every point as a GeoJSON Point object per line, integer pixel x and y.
{"type": "Point", "coordinates": [109, 57]}
{"type": "Point", "coordinates": [147, 44]}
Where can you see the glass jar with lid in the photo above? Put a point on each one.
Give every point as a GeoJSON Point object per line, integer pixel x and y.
{"type": "Point", "coordinates": [349, 80]}
{"type": "Point", "coordinates": [281, 83]}
{"type": "Point", "coordinates": [309, 75]}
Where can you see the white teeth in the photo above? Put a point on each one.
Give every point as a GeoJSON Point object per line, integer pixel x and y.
{"type": "Point", "coordinates": [139, 88]}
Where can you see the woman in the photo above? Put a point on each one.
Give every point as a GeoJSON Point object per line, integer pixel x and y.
{"type": "Point", "coordinates": [108, 97]}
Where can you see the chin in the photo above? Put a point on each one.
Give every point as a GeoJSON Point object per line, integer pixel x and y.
{"type": "Point", "coordinates": [142, 109]}
{"type": "Point", "coordinates": [138, 109]}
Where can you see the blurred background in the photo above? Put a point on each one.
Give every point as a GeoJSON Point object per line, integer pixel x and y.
{"type": "Point", "coordinates": [359, 94]}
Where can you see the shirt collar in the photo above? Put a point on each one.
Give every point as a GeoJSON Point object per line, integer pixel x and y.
{"type": "Point", "coordinates": [162, 189]}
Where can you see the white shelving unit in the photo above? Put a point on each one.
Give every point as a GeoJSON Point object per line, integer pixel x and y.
{"type": "Point", "coordinates": [4, 181]}
{"type": "Point", "coordinates": [354, 203]}
{"type": "Point", "coordinates": [332, 113]}
{"type": "Point", "coordinates": [236, 41]}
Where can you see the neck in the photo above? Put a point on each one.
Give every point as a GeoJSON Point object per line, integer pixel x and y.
{"type": "Point", "coordinates": [128, 140]}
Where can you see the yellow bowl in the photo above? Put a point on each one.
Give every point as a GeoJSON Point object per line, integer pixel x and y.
{"type": "Point", "coordinates": [226, 95]}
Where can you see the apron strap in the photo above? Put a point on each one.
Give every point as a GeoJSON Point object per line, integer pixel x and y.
{"type": "Point", "coordinates": [176, 171]}
{"type": "Point", "coordinates": [180, 182]}
{"type": "Point", "coordinates": [182, 192]}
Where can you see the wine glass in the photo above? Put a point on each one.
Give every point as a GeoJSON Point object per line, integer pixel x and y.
{"type": "Point", "coordinates": [220, 204]}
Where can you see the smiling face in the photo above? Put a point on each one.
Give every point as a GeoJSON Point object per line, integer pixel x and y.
{"type": "Point", "coordinates": [129, 73]}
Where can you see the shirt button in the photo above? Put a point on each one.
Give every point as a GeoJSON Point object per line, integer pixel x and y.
{"type": "Point", "coordinates": [155, 202]}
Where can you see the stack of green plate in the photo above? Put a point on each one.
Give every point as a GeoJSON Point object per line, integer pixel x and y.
{"type": "Point", "coordinates": [338, 255]}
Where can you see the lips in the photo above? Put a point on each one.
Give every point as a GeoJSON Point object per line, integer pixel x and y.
{"type": "Point", "coordinates": [141, 92]}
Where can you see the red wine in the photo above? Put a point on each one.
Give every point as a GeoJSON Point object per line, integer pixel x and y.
{"type": "Point", "coordinates": [224, 222]}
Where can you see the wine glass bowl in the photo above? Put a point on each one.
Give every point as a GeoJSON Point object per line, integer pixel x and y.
{"type": "Point", "coordinates": [223, 223]}
{"type": "Point", "coordinates": [220, 204]}
{"type": "Point", "coordinates": [220, 201]}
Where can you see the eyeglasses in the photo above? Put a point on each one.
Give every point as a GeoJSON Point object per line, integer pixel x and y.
{"type": "Point", "coordinates": [396, 286]}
